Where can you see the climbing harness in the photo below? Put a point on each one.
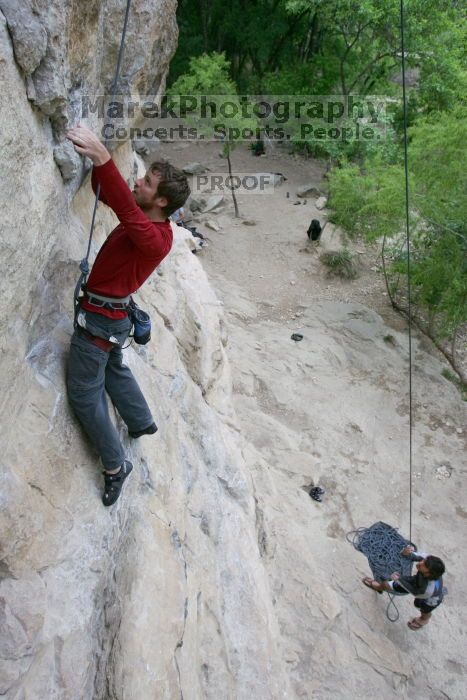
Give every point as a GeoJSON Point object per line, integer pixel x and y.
{"type": "Point", "coordinates": [381, 543]}
{"type": "Point", "coordinates": [84, 264]}
{"type": "Point", "coordinates": [107, 302]}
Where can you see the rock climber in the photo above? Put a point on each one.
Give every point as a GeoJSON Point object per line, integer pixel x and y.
{"type": "Point", "coordinates": [426, 585]}
{"type": "Point", "coordinates": [130, 254]}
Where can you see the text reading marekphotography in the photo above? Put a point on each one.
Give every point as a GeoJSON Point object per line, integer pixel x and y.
{"type": "Point", "coordinates": [227, 118]}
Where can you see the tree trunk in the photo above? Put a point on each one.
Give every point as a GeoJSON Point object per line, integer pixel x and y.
{"type": "Point", "coordinates": [205, 21]}
{"type": "Point", "coordinates": [311, 39]}
{"type": "Point", "coordinates": [273, 61]}
{"type": "Point", "coordinates": [227, 153]}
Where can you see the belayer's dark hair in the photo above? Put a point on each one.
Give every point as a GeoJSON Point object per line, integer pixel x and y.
{"type": "Point", "coordinates": [173, 185]}
{"type": "Point", "coordinates": [435, 567]}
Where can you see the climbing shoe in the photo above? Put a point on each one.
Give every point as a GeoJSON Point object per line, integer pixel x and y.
{"type": "Point", "coordinates": [114, 483]}
{"type": "Point", "coordinates": [150, 430]}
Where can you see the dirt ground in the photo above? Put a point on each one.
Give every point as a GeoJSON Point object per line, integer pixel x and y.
{"type": "Point", "coordinates": [333, 410]}
{"type": "Point", "coordinates": [273, 259]}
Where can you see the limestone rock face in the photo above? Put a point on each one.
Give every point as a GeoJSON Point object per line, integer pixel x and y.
{"type": "Point", "coordinates": [67, 52]}
{"type": "Point", "coordinates": [163, 594]}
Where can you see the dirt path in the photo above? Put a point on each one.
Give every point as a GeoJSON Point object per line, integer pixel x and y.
{"type": "Point", "coordinates": [280, 263]}
{"type": "Point", "coordinates": [273, 261]}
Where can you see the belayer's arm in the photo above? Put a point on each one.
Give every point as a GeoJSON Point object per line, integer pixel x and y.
{"type": "Point", "coordinates": [411, 554]}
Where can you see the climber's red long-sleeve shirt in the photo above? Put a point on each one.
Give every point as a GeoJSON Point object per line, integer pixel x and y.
{"type": "Point", "coordinates": [132, 251]}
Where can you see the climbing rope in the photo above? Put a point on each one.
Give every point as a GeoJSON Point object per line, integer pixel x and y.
{"type": "Point", "coordinates": [409, 291]}
{"type": "Point", "coordinates": [84, 264]}
{"type": "Point", "coordinates": [382, 545]}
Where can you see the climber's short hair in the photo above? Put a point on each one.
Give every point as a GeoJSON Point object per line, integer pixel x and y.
{"type": "Point", "coordinates": [435, 566]}
{"type": "Point", "coordinates": [173, 185]}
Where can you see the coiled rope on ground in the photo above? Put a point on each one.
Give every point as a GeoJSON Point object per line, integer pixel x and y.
{"type": "Point", "coordinates": [382, 545]}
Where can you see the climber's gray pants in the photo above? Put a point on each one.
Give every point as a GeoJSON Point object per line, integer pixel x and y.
{"type": "Point", "coordinates": [92, 372]}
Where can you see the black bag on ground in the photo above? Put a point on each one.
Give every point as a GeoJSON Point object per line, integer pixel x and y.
{"type": "Point", "coordinates": [141, 323]}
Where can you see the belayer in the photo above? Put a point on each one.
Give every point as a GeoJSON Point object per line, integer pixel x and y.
{"type": "Point", "coordinates": [426, 585]}
{"type": "Point", "coordinates": [130, 254]}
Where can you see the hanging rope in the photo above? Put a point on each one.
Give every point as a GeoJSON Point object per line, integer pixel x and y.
{"type": "Point", "coordinates": [409, 291]}
{"type": "Point", "coordinates": [84, 264]}
{"type": "Point", "coordinates": [381, 543]}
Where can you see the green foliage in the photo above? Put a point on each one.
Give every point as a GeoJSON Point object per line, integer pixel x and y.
{"type": "Point", "coordinates": [340, 264]}
{"type": "Point", "coordinates": [447, 374]}
{"type": "Point", "coordinates": [208, 75]}
{"type": "Point", "coordinates": [372, 202]}
{"type": "Point", "coordinates": [303, 78]}
{"type": "Point", "coordinates": [255, 36]}
{"type": "Point", "coordinates": [436, 149]}
{"type": "Point", "coordinates": [335, 40]}
{"type": "Point", "coordinates": [349, 190]}
{"type": "Point", "coordinates": [324, 47]}
{"type": "Point", "coordinates": [361, 35]}
{"type": "Point", "coordinates": [443, 74]}
{"type": "Point", "coordinates": [364, 36]}
{"type": "Point", "coordinates": [439, 278]}
{"type": "Point", "coordinates": [442, 82]}
{"type": "Point", "coordinates": [384, 145]}
{"type": "Point", "coordinates": [369, 202]}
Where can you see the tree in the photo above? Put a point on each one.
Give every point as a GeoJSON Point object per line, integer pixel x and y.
{"type": "Point", "coordinates": [371, 201]}
{"type": "Point", "coordinates": [361, 38]}
{"type": "Point", "coordinates": [208, 75]}
{"type": "Point", "coordinates": [365, 36]}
